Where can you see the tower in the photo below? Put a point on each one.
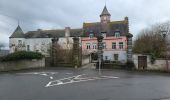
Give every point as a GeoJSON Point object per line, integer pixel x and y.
{"type": "Point", "coordinates": [105, 16]}
{"type": "Point", "coordinates": [17, 40]}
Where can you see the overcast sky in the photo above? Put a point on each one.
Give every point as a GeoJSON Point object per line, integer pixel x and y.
{"type": "Point", "coordinates": [56, 14]}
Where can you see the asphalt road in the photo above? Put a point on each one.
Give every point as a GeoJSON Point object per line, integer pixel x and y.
{"type": "Point", "coordinates": [84, 84]}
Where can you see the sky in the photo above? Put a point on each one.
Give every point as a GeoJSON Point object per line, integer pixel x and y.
{"type": "Point", "coordinates": [58, 14]}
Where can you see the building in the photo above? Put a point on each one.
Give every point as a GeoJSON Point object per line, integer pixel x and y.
{"type": "Point", "coordinates": [115, 37]}
{"type": "Point", "coordinates": [41, 40]}
{"type": "Point", "coordinates": [115, 42]}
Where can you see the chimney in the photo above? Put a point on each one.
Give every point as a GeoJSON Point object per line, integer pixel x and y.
{"type": "Point", "coordinates": [127, 22]}
{"type": "Point", "coordinates": [67, 31]}
{"type": "Point", "coordinates": [126, 18]}
{"type": "Point", "coordinates": [39, 30]}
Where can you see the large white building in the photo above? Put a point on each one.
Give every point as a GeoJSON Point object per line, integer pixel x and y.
{"type": "Point", "coordinates": [41, 40]}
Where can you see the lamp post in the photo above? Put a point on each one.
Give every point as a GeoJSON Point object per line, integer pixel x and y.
{"type": "Point", "coordinates": [100, 52]}
{"type": "Point", "coordinates": [164, 34]}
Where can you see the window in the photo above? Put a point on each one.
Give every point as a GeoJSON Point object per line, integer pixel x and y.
{"type": "Point", "coordinates": [116, 57]}
{"type": "Point", "coordinates": [94, 46]}
{"type": "Point", "coordinates": [91, 34]}
{"type": "Point", "coordinates": [88, 45]}
{"type": "Point", "coordinates": [106, 57]}
{"type": "Point", "coordinates": [120, 45]}
{"type": "Point", "coordinates": [104, 45]}
{"type": "Point", "coordinates": [19, 42]}
{"type": "Point", "coordinates": [28, 47]}
{"type": "Point", "coordinates": [117, 34]}
{"type": "Point", "coordinates": [114, 45]}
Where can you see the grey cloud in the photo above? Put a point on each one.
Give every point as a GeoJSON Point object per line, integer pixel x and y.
{"type": "Point", "coordinates": [50, 14]}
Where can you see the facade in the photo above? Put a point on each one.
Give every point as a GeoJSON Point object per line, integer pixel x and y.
{"type": "Point", "coordinates": [41, 40]}
{"type": "Point", "coordinates": [115, 42]}
{"type": "Point", "coordinates": [114, 48]}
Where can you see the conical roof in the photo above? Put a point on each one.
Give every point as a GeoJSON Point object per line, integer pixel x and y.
{"type": "Point", "coordinates": [105, 12]}
{"type": "Point", "coordinates": [18, 33]}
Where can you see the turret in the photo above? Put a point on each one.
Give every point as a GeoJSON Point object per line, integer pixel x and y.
{"type": "Point", "coordinates": [17, 40]}
{"type": "Point", "coordinates": [105, 16]}
{"type": "Point", "coordinates": [18, 33]}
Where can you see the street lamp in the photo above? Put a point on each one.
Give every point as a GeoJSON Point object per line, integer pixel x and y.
{"type": "Point", "coordinates": [164, 34]}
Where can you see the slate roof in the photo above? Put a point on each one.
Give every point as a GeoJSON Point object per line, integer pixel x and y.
{"type": "Point", "coordinates": [110, 28]}
{"type": "Point", "coordinates": [105, 12]}
{"type": "Point", "coordinates": [18, 33]}
{"type": "Point", "coordinates": [96, 27]}
{"type": "Point", "coordinates": [52, 33]}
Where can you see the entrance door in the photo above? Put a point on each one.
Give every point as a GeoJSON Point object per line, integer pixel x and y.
{"type": "Point", "coordinates": [142, 62]}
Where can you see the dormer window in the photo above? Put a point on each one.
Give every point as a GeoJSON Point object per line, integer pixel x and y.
{"type": "Point", "coordinates": [91, 35]}
{"type": "Point", "coordinates": [117, 34]}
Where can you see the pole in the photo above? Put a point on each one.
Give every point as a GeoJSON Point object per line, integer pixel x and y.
{"type": "Point", "coordinates": [166, 57]}
{"type": "Point", "coordinates": [100, 66]}
{"type": "Point", "coordinates": [100, 52]}
{"type": "Point", "coordinates": [164, 33]}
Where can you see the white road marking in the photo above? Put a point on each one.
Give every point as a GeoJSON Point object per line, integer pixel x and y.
{"type": "Point", "coordinates": [47, 74]}
{"type": "Point", "coordinates": [68, 80]}
{"type": "Point", "coordinates": [40, 73]}
{"type": "Point", "coordinates": [43, 74]}
{"type": "Point", "coordinates": [51, 77]}
{"type": "Point", "coordinates": [76, 79]}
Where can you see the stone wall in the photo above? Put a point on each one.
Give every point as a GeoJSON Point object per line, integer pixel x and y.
{"type": "Point", "coordinates": [85, 60]}
{"type": "Point", "coordinates": [159, 64]}
{"type": "Point", "coordinates": [22, 64]}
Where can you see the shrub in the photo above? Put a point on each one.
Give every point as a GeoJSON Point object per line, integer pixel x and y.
{"type": "Point", "coordinates": [20, 55]}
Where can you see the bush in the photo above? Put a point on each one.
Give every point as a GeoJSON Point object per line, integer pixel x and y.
{"type": "Point", "coordinates": [20, 55]}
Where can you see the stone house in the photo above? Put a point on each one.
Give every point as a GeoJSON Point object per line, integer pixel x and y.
{"type": "Point", "coordinates": [115, 41]}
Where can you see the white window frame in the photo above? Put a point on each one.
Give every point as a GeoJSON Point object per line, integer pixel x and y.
{"type": "Point", "coordinates": [114, 45]}
{"type": "Point", "coordinates": [88, 46]}
{"type": "Point", "coordinates": [121, 45]}
{"type": "Point", "coordinates": [94, 45]}
{"type": "Point", "coordinates": [117, 34]}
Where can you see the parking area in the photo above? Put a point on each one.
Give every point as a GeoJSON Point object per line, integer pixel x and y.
{"type": "Point", "coordinates": [83, 84]}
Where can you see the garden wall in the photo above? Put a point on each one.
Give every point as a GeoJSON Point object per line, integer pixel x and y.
{"type": "Point", "coordinates": [22, 64]}
{"type": "Point", "coordinates": [159, 64]}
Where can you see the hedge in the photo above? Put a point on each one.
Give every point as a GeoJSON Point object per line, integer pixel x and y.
{"type": "Point", "coordinates": [22, 55]}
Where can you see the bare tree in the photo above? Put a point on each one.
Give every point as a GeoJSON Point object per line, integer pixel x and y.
{"type": "Point", "coordinates": [63, 53]}
{"type": "Point", "coordinates": [151, 41]}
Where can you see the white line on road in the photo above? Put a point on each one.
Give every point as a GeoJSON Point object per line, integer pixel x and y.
{"type": "Point", "coordinates": [76, 79]}
{"type": "Point", "coordinates": [47, 74]}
